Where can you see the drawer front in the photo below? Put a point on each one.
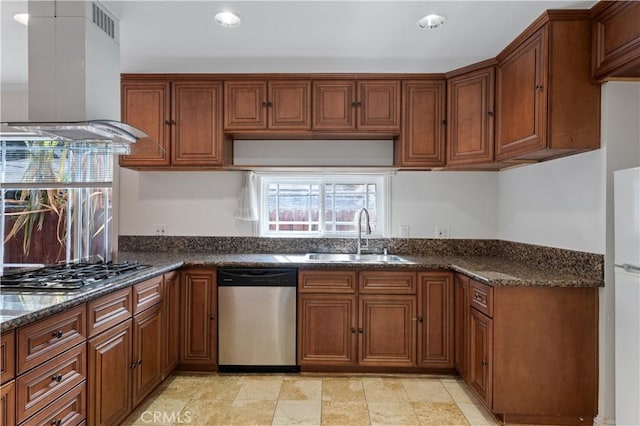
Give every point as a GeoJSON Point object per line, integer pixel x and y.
{"type": "Point", "coordinates": [68, 410]}
{"type": "Point", "coordinates": [43, 385]}
{"type": "Point", "coordinates": [43, 340]}
{"type": "Point", "coordinates": [481, 297]}
{"type": "Point", "coordinates": [321, 281]}
{"type": "Point", "coordinates": [387, 282]}
{"type": "Point", "coordinates": [107, 311]}
{"type": "Point", "coordinates": [146, 294]}
{"type": "Point", "coordinates": [8, 356]}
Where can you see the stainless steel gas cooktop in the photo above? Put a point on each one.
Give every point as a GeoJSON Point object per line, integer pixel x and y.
{"type": "Point", "coordinates": [70, 276]}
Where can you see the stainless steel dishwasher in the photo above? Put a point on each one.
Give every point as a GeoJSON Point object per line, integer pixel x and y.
{"type": "Point", "coordinates": [257, 319]}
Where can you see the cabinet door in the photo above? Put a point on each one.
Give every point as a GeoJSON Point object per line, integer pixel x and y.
{"type": "Point", "coordinates": [289, 105]}
{"type": "Point", "coordinates": [197, 129]}
{"type": "Point", "coordinates": [146, 105]}
{"type": "Point", "coordinates": [422, 142]}
{"type": "Point", "coordinates": [171, 322]}
{"type": "Point", "coordinates": [334, 105]}
{"type": "Point", "coordinates": [147, 353]}
{"type": "Point", "coordinates": [387, 331]}
{"type": "Point", "coordinates": [616, 39]}
{"type": "Point", "coordinates": [198, 320]}
{"type": "Point", "coordinates": [245, 105]}
{"type": "Point", "coordinates": [8, 404]}
{"type": "Point", "coordinates": [109, 380]}
{"type": "Point", "coordinates": [461, 323]}
{"type": "Point", "coordinates": [379, 105]}
{"type": "Point", "coordinates": [470, 117]}
{"type": "Point", "coordinates": [481, 356]}
{"type": "Point", "coordinates": [327, 330]}
{"type": "Point", "coordinates": [435, 320]}
{"type": "Point", "coordinates": [8, 356]}
{"type": "Point", "coordinates": [522, 99]}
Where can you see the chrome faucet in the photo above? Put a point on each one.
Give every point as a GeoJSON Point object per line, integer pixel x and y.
{"type": "Point", "coordinates": [367, 230]}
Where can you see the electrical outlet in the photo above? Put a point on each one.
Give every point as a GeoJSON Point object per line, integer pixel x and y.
{"type": "Point", "coordinates": [443, 232]}
{"type": "Point", "coordinates": [160, 229]}
{"type": "Point", "coordinates": [404, 231]}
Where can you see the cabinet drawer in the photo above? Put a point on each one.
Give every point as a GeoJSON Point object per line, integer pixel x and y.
{"type": "Point", "coordinates": [42, 340]}
{"type": "Point", "coordinates": [70, 409]}
{"type": "Point", "coordinates": [146, 294]}
{"type": "Point", "coordinates": [387, 282]}
{"type": "Point", "coordinates": [107, 311]}
{"type": "Point", "coordinates": [481, 297]}
{"type": "Point", "coordinates": [43, 385]}
{"type": "Point", "coordinates": [8, 356]}
{"type": "Point", "coordinates": [318, 281]}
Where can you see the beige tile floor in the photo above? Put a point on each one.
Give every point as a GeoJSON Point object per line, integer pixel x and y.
{"type": "Point", "coordinates": [208, 400]}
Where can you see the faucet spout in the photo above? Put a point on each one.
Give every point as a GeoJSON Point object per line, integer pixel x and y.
{"type": "Point", "coordinates": [367, 228]}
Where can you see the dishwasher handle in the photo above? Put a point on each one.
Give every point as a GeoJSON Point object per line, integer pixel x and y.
{"type": "Point", "coordinates": [278, 277]}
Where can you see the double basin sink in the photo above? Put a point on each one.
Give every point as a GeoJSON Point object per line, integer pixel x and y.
{"type": "Point", "coordinates": [354, 258]}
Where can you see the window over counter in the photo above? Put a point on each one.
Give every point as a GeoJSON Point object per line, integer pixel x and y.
{"type": "Point", "coordinates": [322, 205]}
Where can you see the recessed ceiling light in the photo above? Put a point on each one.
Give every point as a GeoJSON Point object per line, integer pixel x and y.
{"type": "Point", "coordinates": [227, 19]}
{"type": "Point", "coordinates": [432, 20]}
{"type": "Point", "coordinates": [22, 18]}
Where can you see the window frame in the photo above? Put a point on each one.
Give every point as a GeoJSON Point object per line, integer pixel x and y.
{"type": "Point", "coordinates": [383, 202]}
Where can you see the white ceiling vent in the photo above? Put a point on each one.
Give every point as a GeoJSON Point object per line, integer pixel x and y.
{"type": "Point", "coordinates": [103, 20]}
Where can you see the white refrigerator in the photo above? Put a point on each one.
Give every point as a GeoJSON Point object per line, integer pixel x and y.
{"type": "Point", "coordinates": [627, 295]}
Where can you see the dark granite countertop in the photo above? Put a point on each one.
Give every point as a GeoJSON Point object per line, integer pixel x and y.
{"type": "Point", "coordinates": [23, 307]}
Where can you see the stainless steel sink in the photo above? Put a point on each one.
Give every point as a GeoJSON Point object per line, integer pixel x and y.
{"type": "Point", "coordinates": [355, 258]}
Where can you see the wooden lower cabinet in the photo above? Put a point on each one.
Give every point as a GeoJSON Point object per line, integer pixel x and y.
{"type": "Point", "coordinates": [198, 322]}
{"type": "Point", "coordinates": [533, 352]}
{"type": "Point", "coordinates": [386, 330]}
{"type": "Point", "coordinates": [8, 404]}
{"type": "Point", "coordinates": [435, 320]}
{"type": "Point", "coordinates": [461, 324]}
{"type": "Point", "coordinates": [7, 356]}
{"type": "Point", "coordinates": [68, 410]}
{"type": "Point", "coordinates": [110, 365]}
{"type": "Point", "coordinates": [147, 352]}
{"type": "Point", "coordinates": [170, 323]}
{"type": "Point", "coordinates": [327, 329]}
{"type": "Point", "coordinates": [481, 351]}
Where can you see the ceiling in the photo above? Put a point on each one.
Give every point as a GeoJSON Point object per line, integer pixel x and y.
{"type": "Point", "coordinates": [297, 36]}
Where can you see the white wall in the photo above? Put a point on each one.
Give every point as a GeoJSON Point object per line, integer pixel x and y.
{"type": "Point", "coordinates": [202, 203]}
{"type": "Point", "coordinates": [14, 103]}
{"type": "Point", "coordinates": [559, 203]}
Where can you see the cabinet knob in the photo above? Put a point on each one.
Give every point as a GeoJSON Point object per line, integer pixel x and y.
{"type": "Point", "coordinates": [56, 378]}
{"type": "Point", "coordinates": [353, 330]}
{"type": "Point", "coordinates": [212, 317]}
{"type": "Point", "coordinates": [56, 422]}
{"type": "Point", "coordinates": [57, 334]}
{"type": "Point", "coordinates": [354, 104]}
{"type": "Point", "coordinates": [444, 122]}
{"type": "Point", "coordinates": [538, 86]}
{"type": "Point", "coordinates": [361, 330]}
{"type": "Point", "coordinates": [490, 113]}
{"type": "Point", "coordinates": [264, 103]}
{"type": "Point", "coordinates": [420, 319]}
{"type": "Point", "coordinates": [133, 364]}
{"type": "Point", "coordinates": [484, 363]}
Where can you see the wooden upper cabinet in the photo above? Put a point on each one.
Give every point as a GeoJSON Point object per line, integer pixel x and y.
{"type": "Point", "coordinates": [197, 132]}
{"type": "Point", "coordinates": [364, 105]}
{"type": "Point", "coordinates": [245, 105]}
{"type": "Point", "coordinates": [470, 117]}
{"type": "Point", "coordinates": [147, 106]}
{"type": "Point", "coordinates": [261, 105]}
{"type": "Point", "coordinates": [378, 105]}
{"type": "Point", "coordinates": [289, 105]}
{"type": "Point", "coordinates": [547, 104]}
{"type": "Point", "coordinates": [334, 105]}
{"type": "Point", "coordinates": [616, 39]}
{"type": "Point", "coordinates": [183, 117]}
{"type": "Point", "coordinates": [522, 99]}
{"type": "Point", "coordinates": [422, 141]}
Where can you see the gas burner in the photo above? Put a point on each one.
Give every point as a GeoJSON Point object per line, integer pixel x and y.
{"type": "Point", "coordinates": [70, 276]}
